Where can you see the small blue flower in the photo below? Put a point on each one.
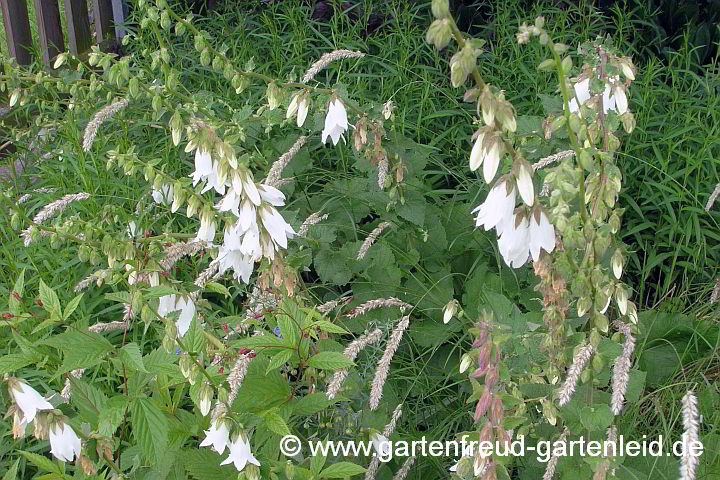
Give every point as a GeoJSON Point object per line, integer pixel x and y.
{"type": "Point", "coordinates": [178, 351]}
{"type": "Point", "coordinates": [277, 332]}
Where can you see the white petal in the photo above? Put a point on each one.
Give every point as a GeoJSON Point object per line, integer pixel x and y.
{"type": "Point", "coordinates": [491, 162]}
{"type": "Point", "coordinates": [302, 112]}
{"type": "Point", "coordinates": [476, 154]}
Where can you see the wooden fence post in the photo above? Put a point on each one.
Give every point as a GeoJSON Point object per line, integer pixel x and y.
{"type": "Point", "coordinates": [78, 26]}
{"type": "Point", "coordinates": [17, 30]}
{"type": "Point", "coordinates": [119, 14]}
{"type": "Point", "coordinates": [49, 29]}
{"type": "Point", "coordinates": [103, 13]}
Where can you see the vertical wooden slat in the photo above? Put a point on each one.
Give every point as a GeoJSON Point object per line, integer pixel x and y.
{"type": "Point", "coordinates": [103, 20]}
{"type": "Point", "coordinates": [119, 15]}
{"type": "Point", "coordinates": [49, 29]}
{"type": "Point", "coordinates": [78, 26]}
{"type": "Point", "coordinates": [17, 30]}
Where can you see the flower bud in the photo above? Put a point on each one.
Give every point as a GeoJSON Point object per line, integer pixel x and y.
{"type": "Point", "coordinates": [621, 297]}
{"type": "Point", "coordinates": [440, 8]}
{"type": "Point", "coordinates": [450, 310]}
{"type": "Point", "coordinates": [617, 263]}
{"type": "Point", "coordinates": [205, 399]}
{"type": "Point", "coordinates": [583, 305]}
{"type": "Point", "coordinates": [439, 33]}
{"type": "Point", "coordinates": [465, 363]}
{"type": "Point", "coordinates": [482, 405]}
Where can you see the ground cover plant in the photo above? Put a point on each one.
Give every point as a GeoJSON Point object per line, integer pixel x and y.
{"type": "Point", "coordinates": [206, 256]}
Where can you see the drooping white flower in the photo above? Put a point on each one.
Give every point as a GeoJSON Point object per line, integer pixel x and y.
{"type": "Point", "coordinates": [583, 94]}
{"type": "Point", "coordinates": [203, 166]}
{"type": "Point", "coordinates": [525, 184]}
{"type": "Point", "coordinates": [206, 233]}
{"type": "Point", "coordinates": [498, 205]}
{"type": "Point", "coordinates": [276, 226]}
{"type": "Point", "coordinates": [492, 159]}
{"type": "Point", "coordinates": [621, 101]}
{"type": "Point", "coordinates": [187, 312]}
{"type": "Point", "coordinates": [235, 260]}
{"type": "Point", "coordinates": [477, 154]}
{"type": "Point", "coordinates": [164, 196]}
{"type": "Point", "coordinates": [64, 442]}
{"type": "Point", "coordinates": [300, 105]}
{"type": "Point", "coordinates": [514, 239]}
{"type": "Point", "coordinates": [166, 305]}
{"type": "Point", "coordinates": [336, 122]}
{"type": "Point", "coordinates": [28, 400]}
{"type": "Point", "coordinates": [450, 310]}
{"type": "Point", "coordinates": [240, 453]}
{"type": "Point", "coordinates": [218, 436]}
{"type": "Point", "coordinates": [542, 234]}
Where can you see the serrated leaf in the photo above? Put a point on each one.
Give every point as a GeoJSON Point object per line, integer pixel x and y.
{"type": "Point", "coordinates": [275, 423]}
{"type": "Point", "coordinates": [218, 288]}
{"type": "Point", "coordinates": [112, 415]}
{"type": "Point", "coordinates": [204, 464]}
{"type": "Point", "coordinates": [332, 267]}
{"type": "Point", "coordinates": [41, 462]}
{"type": "Point", "coordinates": [313, 403]}
{"type": "Point", "coordinates": [15, 361]}
{"type": "Point", "coordinates": [330, 327]}
{"type": "Point", "coordinates": [317, 461]}
{"type": "Point", "coordinates": [596, 417]}
{"type": "Point", "coordinates": [330, 361]}
{"type": "Point", "coordinates": [50, 300]}
{"type": "Point", "coordinates": [279, 360]}
{"type": "Point", "coordinates": [158, 291]}
{"type": "Point", "coordinates": [11, 474]}
{"type": "Point", "coordinates": [150, 428]}
{"type": "Point", "coordinates": [131, 356]}
{"type": "Point", "coordinates": [119, 297]}
{"type": "Point", "coordinates": [81, 349]}
{"type": "Point", "coordinates": [342, 470]}
{"type": "Point", "coordinates": [88, 400]}
{"type": "Point", "coordinates": [72, 306]}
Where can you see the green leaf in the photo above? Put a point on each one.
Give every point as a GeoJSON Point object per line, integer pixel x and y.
{"type": "Point", "coordinates": [15, 361]}
{"type": "Point", "coordinates": [279, 360]}
{"type": "Point", "coordinates": [342, 470]}
{"type": "Point", "coordinates": [41, 462]}
{"type": "Point", "coordinates": [204, 464]}
{"type": "Point", "coordinates": [88, 400]}
{"type": "Point", "coordinates": [50, 300]}
{"type": "Point", "coordinates": [318, 460]}
{"type": "Point", "coordinates": [150, 428]}
{"type": "Point", "coordinates": [330, 327]}
{"type": "Point", "coordinates": [80, 349]}
{"type": "Point", "coordinates": [11, 474]}
{"type": "Point", "coordinates": [72, 306]}
{"type": "Point", "coordinates": [218, 288]}
{"type": "Point", "coordinates": [275, 423]}
{"type": "Point", "coordinates": [112, 415]}
{"type": "Point", "coordinates": [330, 361]}
{"type": "Point", "coordinates": [158, 291]}
{"type": "Point", "coordinates": [596, 417]}
{"type": "Point", "coordinates": [313, 403]}
{"type": "Point", "coordinates": [131, 356]}
{"type": "Point", "coordinates": [332, 267]}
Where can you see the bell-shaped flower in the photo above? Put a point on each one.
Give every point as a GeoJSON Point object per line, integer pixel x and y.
{"type": "Point", "coordinates": [271, 195]}
{"type": "Point", "coordinates": [233, 259]}
{"type": "Point", "coordinates": [240, 454]}
{"type": "Point", "coordinates": [493, 152]}
{"type": "Point", "coordinates": [206, 233]}
{"type": "Point", "coordinates": [187, 312]}
{"type": "Point", "coordinates": [583, 94]}
{"type": "Point", "coordinates": [514, 239]}
{"type": "Point", "coordinates": [523, 179]}
{"type": "Point", "coordinates": [203, 166]}
{"type": "Point", "coordinates": [477, 154]}
{"type": "Point", "coordinates": [299, 105]}
{"type": "Point", "coordinates": [498, 205]}
{"type": "Point", "coordinates": [621, 101]}
{"type": "Point", "coordinates": [450, 310]}
{"type": "Point", "coordinates": [164, 196]}
{"type": "Point", "coordinates": [64, 442]}
{"type": "Point", "coordinates": [276, 226]}
{"type": "Point", "coordinates": [542, 234]}
{"type": "Point", "coordinates": [166, 305]}
{"type": "Point", "coordinates": [382, 445]}
{"type": "Point", "coordinates": [218, 436]}
{"type": "Point", "coordinates": [336, 122]}
{"type": "Point", "coordinates": [28, 400]}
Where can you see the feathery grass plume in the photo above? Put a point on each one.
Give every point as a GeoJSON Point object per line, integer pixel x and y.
{"type": "Point", "coordinates": [688, 462]}
{"type": "Point", "coordinates": [178, 250]}
{"type": "Point", "coordinates": [273, 176]}
{"type": "Point", "coordinates": [371, 239]}
{"type": "Point", "coordinates": [550, 159]}
{"type": "Point", "coordinates": [92, 278]}
{"type": "Point", "coordinates": [104, 114]}
{"type": "Point", "coordinates": [621, 369]}
{"type": "Point", "coordinates": [237, 375]}
{"type": "Point", "coordinates": [50, 210]}
{"type": "Point", "coordinates": [378, 303]}
{"type": "Point", "coordinates": [715, 295]}
{"type": "Point", "coordinates": [106, 327]}
{"type": "Point", "coordinates": [309, 221]}
{"type": "Point", "coordinates": [67, 388]}
{"type": "Point", "coordinates": [383, 167]}
{"type": "Point", "coordinates": [387, 431]}
{"type": "Point", "coordinates": [27, 196]}
{"type": "Point", "coordinates": [332, 304]}
{"type": "Point", "coordinates": [383, 367]}
{"type": "Point", "coordinates": [578, 364]}
{"type": "Point", "coordinates": [206, 275]}
{"type": "Point", "coordinates": [713, 197]}
{"type": "Point", "coordinates": [552, 464]}
{"type": "Point", "coordinates": [326, 60]}
{"type": "Point", "coordinates": [351, 353]}
{"type": "Point", "coordinates": [405, 469]}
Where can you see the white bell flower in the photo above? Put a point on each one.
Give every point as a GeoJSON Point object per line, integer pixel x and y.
{"type": "Point", "coordinates": [164, 196]}
{"type": "Point", "coordinates": [382, 445]}
{"type": "Point", "coordinates": [187, 312]}
{"type": "Point", "coordinates": [300, 105]}
{"type": "Point", "coordinates": [336, 122]}
{"type": "Point", "coordinates": [206, 233]}
{"type": "Point", "coordinates": [525, 184]}
{"type": "Point", "coordinates": [583, 94]}
{"type": "Point", "coordinates": [513, 240]}
{"type": "Point", "coordinates": [28, 400]}
{"type": "Point", "coordinates": [240, 454]}
{"type": "Point", "coordinates": [218, 436]}
{"type": "Point", "coordinates": [498, 205]}
{"type": "Point", "coordinates": [542, 234]}
{"type": "Point", "coordinates": [64, 442]}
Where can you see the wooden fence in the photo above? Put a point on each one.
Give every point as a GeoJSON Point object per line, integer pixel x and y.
{"type": "Point", "coordinates": [107, 17]}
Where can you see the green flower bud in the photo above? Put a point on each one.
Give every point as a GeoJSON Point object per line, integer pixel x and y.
{"type": "Point", "coordinates": [440, 8]}
{"type": "Point", "coordinates": [439, 33]}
